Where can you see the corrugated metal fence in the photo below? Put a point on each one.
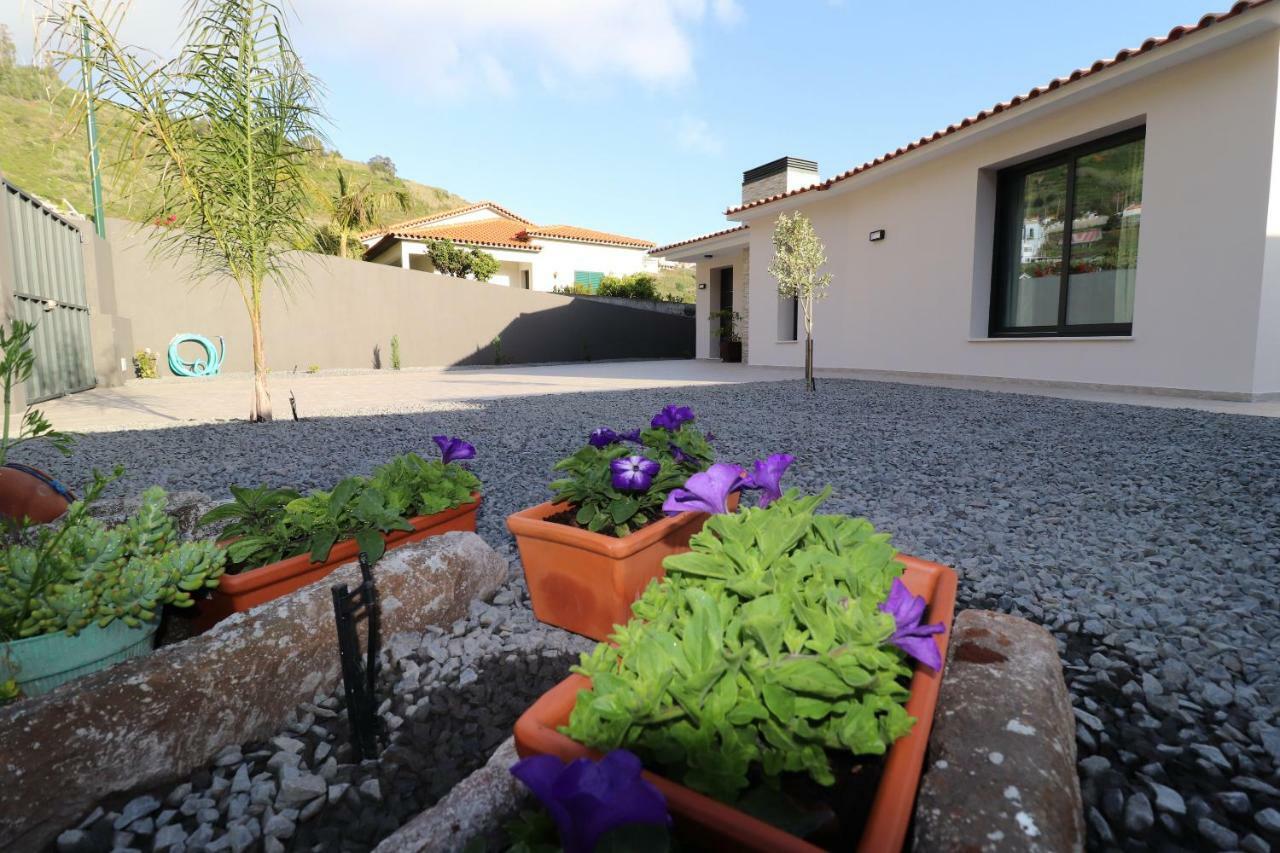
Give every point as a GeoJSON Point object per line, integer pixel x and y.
{"type": "Point", "coordinates": [49, 290]}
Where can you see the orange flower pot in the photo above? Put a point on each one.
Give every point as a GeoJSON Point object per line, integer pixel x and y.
{"type": "Point", "coordinates": [240, 592]}
{"type": "Point", "coordinates": [27, 492]}
{"type": "Point", "coordinates": [729, 829]}
{"type": "Point", "coordinates": [586, 582]}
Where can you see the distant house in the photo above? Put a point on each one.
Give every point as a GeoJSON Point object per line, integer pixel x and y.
{"type": "Point", "coordinates": [532, 257]}
{"type": "Point", "coordinates": [1118, 226]}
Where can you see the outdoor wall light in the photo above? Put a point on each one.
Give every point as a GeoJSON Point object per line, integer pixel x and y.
{"type": "Point", "coordinates": [702, 285]}
{"type": "Point", "coordinates": [876, 236]}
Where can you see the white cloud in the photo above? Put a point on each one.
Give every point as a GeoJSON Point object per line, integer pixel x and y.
{"type": "Point", "coordinates": [471, 47]}
{"type": "Point", "coordinates": [694, 134]}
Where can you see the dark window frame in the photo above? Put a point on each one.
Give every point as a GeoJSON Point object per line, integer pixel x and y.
{"type": "Point", "coordinates": [1008, 241]}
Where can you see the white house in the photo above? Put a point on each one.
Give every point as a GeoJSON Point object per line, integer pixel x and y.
{"type": "Point", "coordinates": [533, 257]}
{"type": "Point", "coordinates": [949, 257]}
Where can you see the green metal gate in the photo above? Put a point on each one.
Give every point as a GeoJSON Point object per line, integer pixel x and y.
{"type": "Point", "coordinates": [49, 290]}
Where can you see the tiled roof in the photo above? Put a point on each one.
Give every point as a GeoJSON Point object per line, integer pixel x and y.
{"type": "Point", "coordinates": [496, 233]}
{"type": "Point", "coordinates": [692, 240]}
{"type": "Point", "coordinates": [1101, 65]}
{"type": "Point", "coordinates": [587, 235]}
{"type": "Point", "coordinates": [435, 217]}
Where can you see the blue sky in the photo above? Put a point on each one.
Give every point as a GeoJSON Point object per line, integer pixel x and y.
{"type": "Point", "coordinates": [639, 116]}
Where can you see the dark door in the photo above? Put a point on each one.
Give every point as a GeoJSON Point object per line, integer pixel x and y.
{"type": "Point", "coordinates": [726, 289]}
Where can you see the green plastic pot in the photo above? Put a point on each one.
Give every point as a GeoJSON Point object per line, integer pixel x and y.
{"type": "Point", "coordinates": [41, 663]}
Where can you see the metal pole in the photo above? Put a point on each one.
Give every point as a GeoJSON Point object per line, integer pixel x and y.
{"type": "Point", "coordinates": [95, 175]}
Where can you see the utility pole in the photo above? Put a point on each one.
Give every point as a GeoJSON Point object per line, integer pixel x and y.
{"type": "Point", "coordinates": [95, 173]}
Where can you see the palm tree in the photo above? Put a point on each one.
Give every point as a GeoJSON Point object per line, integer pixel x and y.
{"type": "Point", "coordinates": [354, 210]}
{"type": "Point", "coordinates": [223, 123]}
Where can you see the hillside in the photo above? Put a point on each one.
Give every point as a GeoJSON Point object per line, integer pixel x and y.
{"type": "Point", "coordinates": [44, 152]}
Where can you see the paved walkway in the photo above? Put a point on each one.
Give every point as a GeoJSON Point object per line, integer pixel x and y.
{"type": "Point", "coordinates": [150, 404]}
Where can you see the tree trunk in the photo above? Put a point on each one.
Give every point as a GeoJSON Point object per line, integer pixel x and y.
{"type": "Point", "coordinates": [342, 244]}
{"type": "Point", "coordinates": [809, 384]}
{"type": "Point", "coordinates": [261, 409]}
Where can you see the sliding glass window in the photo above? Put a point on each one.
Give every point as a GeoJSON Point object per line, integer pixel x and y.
{"type": "Point", "coordinates": [1067, 241]}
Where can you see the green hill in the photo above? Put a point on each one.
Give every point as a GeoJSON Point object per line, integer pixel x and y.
{"type": "Point", "coordinates": [43, 151]}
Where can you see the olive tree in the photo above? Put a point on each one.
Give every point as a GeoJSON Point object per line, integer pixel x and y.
{"type": "Point", "coordinates": [225, 124]}
{"type": "Point", "coordinates": [798, 255]}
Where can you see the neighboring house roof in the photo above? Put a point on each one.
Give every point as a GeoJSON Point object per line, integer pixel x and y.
{"type": "Point", "coordinates": [586, 235]}
{"type": "Point", "coordinates": [1101, 65]}
{"type": "Point", "coordinates": [423, 221]}
{"type": "Point", "coordinates": [692, 240]}
{"type": "Point", "coordinates": [500, 233]}
{"type": "Point", "coordinates": [503, 231]}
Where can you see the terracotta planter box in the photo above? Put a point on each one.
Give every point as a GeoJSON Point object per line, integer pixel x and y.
{"type": "Point", "coordinates": [586, 582]}
{"type": "Point", "coordinates": [729, 829]}
{"type": "Point", "coordinates": [240, 592]}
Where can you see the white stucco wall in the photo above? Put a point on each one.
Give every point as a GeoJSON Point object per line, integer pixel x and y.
{"type": "Point", "coordinates": [1209, 250]}
{"type": "Point", "coordinates": [559, 259]}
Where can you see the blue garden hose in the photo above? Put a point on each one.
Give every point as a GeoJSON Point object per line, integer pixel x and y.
{"type": "Point", "coordinates": [209, 366]}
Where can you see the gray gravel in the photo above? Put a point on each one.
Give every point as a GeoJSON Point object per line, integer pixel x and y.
{"type": "Point", "coordinates": [1144, 538]}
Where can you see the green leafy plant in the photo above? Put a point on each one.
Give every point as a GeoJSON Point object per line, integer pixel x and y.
{"type": "Point", "coordinates": [80, 572]}
{"type": "Point", "coordinates": [17, 362]}
{"type": "Point", "coordinates": [395, 352]}
{"type": "Point", "coordinates": [265, 525]}
{"type": "Point", "coordinates": [498, 357]}
{"type": "Point", "coordinates": [798, 254]}
{"type": "Point", "coordinates": [144, 364]}
{"type": "Point", "coordinates": [763, 648]}
{"type": "Point", "coordinates": [726, 322]}
{"type": "Point", "coordinates": [9, 691]}
{"type": "Point", "coordinates": [449, 259]}
{"type": "Point", "coordinates": [315, 368]}
{"type": "Point", "coordinates": [596, 500]}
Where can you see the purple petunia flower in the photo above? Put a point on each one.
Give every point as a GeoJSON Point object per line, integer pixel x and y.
{"type": "Point", "coordinates": [633, 473]}
{"type": "Point", "coordinates": [767, 476]}
{"type": "Point", "coordinates": [913, 638]}
{"type": "Point", "coordinates": [632, 436]}
{"type": "Point", "coordinates": [680, 455]}
{"type": "Point", "coordinates": [453, 449]}
{"type": "Point", "coordinates": [671, 417]}
{"type": "Point", "coordinates": [602, 437]}
{"type": "Point", "coordinates": [588, 798]}
{"type": "Point", "coordinates": [707, 491]}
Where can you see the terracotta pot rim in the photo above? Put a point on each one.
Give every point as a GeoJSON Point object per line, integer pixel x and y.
{"type": "Point", "coordinates": [342, 551]}
{"type": "Point", "coordinates": [532, 522]}
{"type": "Point", "coordinates": [894, 801]}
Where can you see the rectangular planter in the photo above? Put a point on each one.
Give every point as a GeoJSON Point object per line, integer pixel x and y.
{"type": "Point", "coordinates": [723, 826]}
{"type": "Point", "coordinates": [240, 592]}
{"type": "Point", "coordinates": [586, 582]}
{"type": "Point", "coordinates": [42, 663]}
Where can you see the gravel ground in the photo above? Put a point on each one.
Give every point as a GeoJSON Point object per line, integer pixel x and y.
{"type": "Point", "coordinates": [1144, 538]}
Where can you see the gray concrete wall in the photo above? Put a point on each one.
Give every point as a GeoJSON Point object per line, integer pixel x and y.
{"type": "Point", "coordinates": [338, 311]}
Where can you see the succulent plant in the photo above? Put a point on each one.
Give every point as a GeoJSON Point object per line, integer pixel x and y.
{"type": "Point", "coordinates": [80, 572]}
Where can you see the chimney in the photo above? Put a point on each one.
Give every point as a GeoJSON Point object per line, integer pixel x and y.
{"type": "Point", "coordinates": [780, 176]}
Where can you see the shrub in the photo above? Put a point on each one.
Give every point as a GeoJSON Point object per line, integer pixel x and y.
{"type": "Point", "coordinates": [395, 352]}
{"type": "Point", "coordinates": [144, 364]}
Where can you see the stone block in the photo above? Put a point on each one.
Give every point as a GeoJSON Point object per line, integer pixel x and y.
{"type": "Point", "coordinates": [1001, 770]}
{"type": "Point", "coordinates": [157, 718]}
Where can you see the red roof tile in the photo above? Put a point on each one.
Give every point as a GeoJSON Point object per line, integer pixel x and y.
{"type": "Point", "coordinates": [435, 217]}
{"type": "Point", "coordinates": [587, 235]}
{"type": "Point", "coordinates": [1101, 65]}
{"type": "Point", "coordinates": [692, 240]}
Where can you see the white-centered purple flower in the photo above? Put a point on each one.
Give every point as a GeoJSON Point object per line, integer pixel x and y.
{"type": "Point", "coordinates": [913, 638]}
{"type": "Point", "coordinates": [588, 798]}
{"type": "Point", "coordinates": [767, 477]}
{"type": "Point", "coordinates": [706, 491]}
{"type": "Point", "coordinates": [454, 449]}
{"type": "Point", "coordinates": [602, 437]}
{"type": "Point", "coordinates": [633, 473]}
{"type": "Point", "coordinates": [671, 417]}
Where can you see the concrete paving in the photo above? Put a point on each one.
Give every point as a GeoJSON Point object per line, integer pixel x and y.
{"type": "Point", "coordinates": [150, 404]}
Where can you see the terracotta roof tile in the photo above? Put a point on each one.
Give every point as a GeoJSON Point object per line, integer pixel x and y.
{"type": "Point", "coordinates": [1101, 65]}
{"type": "Point", "coordinates": [499, 233]}
{"type": "Point", "coordinates": [692, 240]}
{"type": "Point", "coordinates": [421, 221]}
{"type": "Point", "coordinates": [587, 235]}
